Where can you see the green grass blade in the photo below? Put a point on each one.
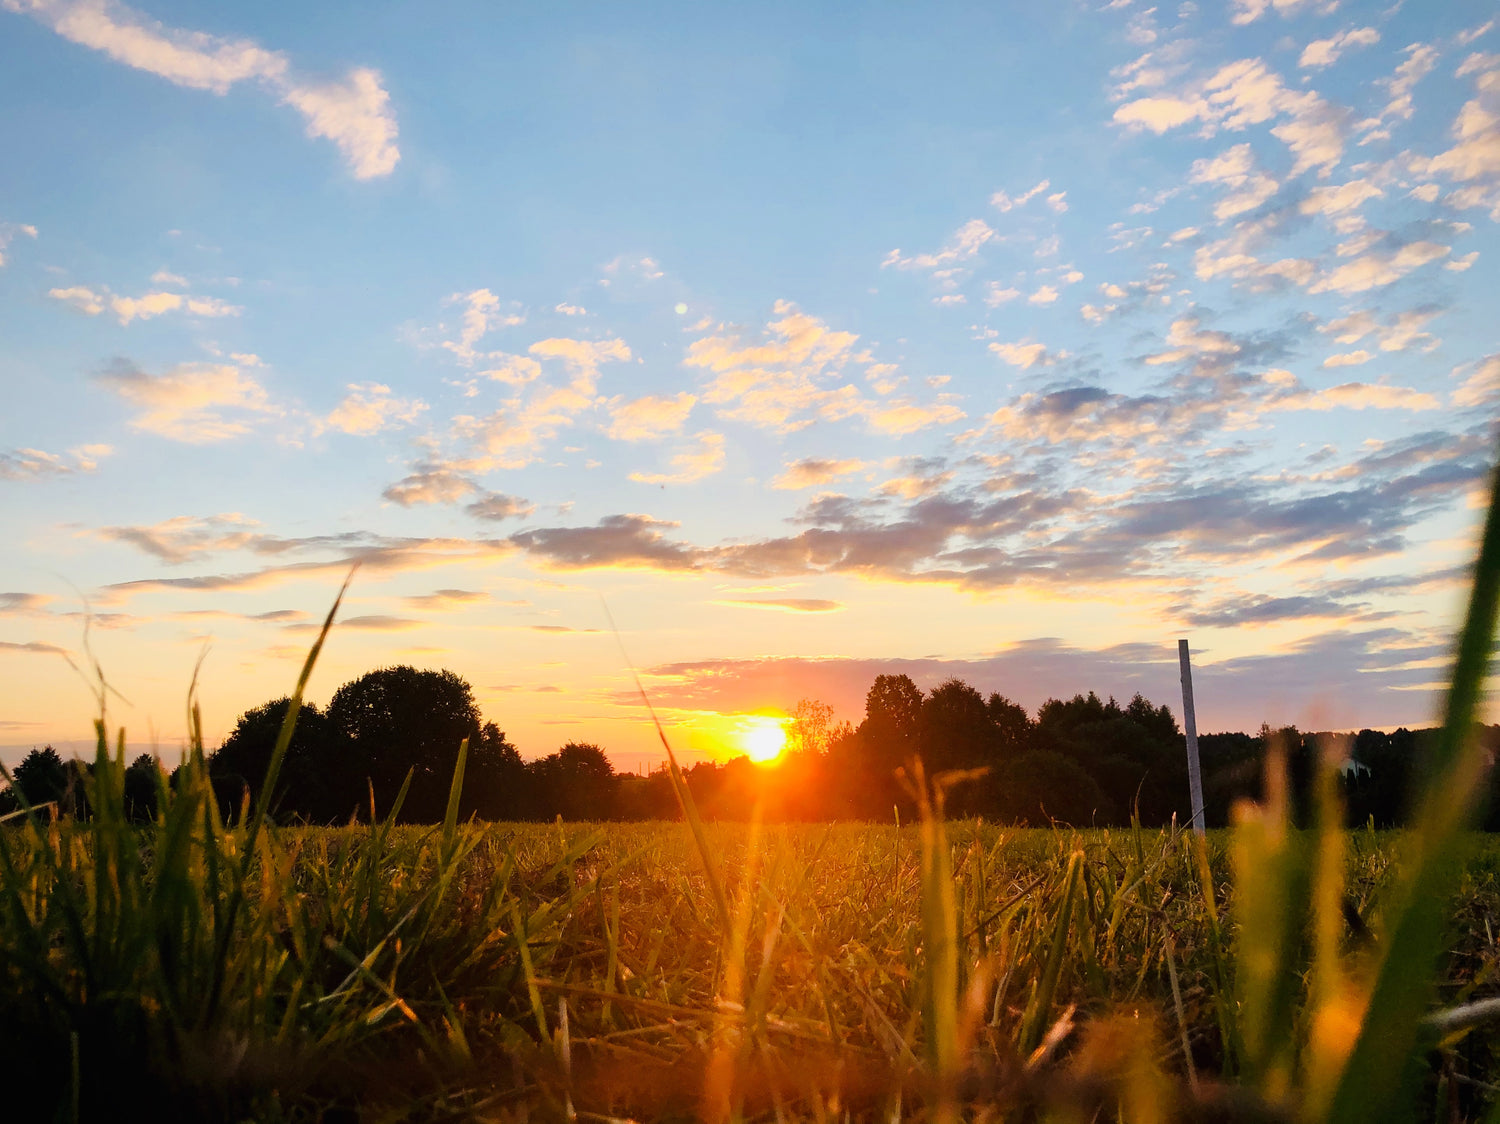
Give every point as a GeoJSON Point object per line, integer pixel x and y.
{"type": "Point", "coordinates": [1403, 985]}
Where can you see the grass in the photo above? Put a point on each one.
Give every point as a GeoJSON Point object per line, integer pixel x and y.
{"type": "Point", "coordinates": [241, 970]}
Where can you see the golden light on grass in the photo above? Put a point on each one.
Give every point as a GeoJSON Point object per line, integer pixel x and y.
{"type": "Point", "coordinates": [762, 738]}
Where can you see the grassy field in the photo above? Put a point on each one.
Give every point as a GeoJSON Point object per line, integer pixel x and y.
{"type": "Point", "coordinates": [501, 971]}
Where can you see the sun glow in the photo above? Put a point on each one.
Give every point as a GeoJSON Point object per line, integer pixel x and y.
{"type": "Point", "coordinates": [763, 739]}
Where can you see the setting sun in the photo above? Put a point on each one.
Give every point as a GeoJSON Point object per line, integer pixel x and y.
{"type": "Point", "coordinates": [763, 739]}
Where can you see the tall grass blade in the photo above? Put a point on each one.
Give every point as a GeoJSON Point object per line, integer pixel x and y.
{"type": "Point", "coordinates": [1403, 984]}
{"type": "Point", "coordinates": [262, 804]}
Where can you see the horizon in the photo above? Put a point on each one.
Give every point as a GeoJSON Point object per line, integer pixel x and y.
{"type": "Point", "coordinates": [1005, 344]}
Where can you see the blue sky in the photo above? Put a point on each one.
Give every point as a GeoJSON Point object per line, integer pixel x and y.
{"type": "Point", "coordinates": [1011, 342]}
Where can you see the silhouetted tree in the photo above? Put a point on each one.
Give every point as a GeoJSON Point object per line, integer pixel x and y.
{"type": "Point", "coordinates": [141, 780]}
{"type": "Point", "coordinates": [398, 719]}
{"type": "Point", "coordinates": [497, 785]}
{"type": "Point", "coordinates": [41, 776]}
{"type": "Point", "coordinates": [309, 783]}
{"type": "Point", "coordinates": [1134, 753]}
{"type": "Point", "coordinates": [887, 738]}
{"type": "Point", "coordinates": [1042, 785]}
{"type": "Point", "coordinates": [577, 781]}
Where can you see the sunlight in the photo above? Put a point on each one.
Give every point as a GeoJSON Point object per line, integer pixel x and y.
{"type": "Point", "coordinates": [763, 739]}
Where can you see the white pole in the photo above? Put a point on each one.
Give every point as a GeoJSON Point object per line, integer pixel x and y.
{"type": "Point", "coordinates": [1190, 727]}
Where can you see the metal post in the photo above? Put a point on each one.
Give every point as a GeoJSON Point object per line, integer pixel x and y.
{"type": "Point", "coordinates": [1190, 727]}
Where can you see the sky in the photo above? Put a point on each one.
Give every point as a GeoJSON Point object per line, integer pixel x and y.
{"type": "Point", "coordinates": [755, 349]}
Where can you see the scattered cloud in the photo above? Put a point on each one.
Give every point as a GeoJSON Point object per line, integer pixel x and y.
{"type": "Point", "coordinates": [28, 464]}
{"type": "Point", "coordinates": [813, 472]}
{"type": "Point", "coordinates": [963, 246]}
{"type": "Point", "coordinates": [649, 417]}
{"type": "Point", "coordinates": [495, 506]}
{"type": "Point", "coordinates": [784, 604]}
{"type": "Point", "coordinates": [145, 307]}
{"type": "Point", "coordinates": [196, 403]}
{"type": "Point", "coordinates": [1325, 52]}
{"type": "Point", "coordinates": [1003, 202]}
{"type": "Point", "coordinates": [370, 408]}
{"type": "Point", "coordinates": [1244, 93]}
{"type": "Point", "coordinates": [481, 315]}
{"type": "Point", "coordinates": [1378, 267]}
{"type": "Point", "coordinates": [446, 599]}
{"type": "Point", "coordinates": [8, 232]}
{"type": "Point", "coordinates": [694, 463]}
{"type": "Point", "coordinates": [353, 113]}
{"type": "Point", "coordinates": [1235, 169]}
{"type": "Point", "coordinates": [430, 482]}
{"type": "Point", "coordinates": [36, 647]}
{"type": "Point", "coordinates": [1026, 355]}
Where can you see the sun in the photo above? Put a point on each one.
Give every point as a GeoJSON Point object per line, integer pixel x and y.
{"type": "Point", "coordinates": [763, 739]}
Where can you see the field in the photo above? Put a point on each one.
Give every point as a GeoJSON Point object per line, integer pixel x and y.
{"type": "Point", "coordinates": [501, 971]}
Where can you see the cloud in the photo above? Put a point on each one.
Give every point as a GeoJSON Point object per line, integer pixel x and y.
{"type": "Point", "coordinates": [431, 482]}
{"type": "Point", "coordinates": [8, 232]}
{"type": "Point", "coordinates": [997, 293]}
{"type": "Point", "coordinates": [616, 541]}
{"type": "Point", "coordinates": [1474, 157]}
{"type": "Point", "coordinates": [369, 622]}
{"type": "Point", "coordinates": [899, 417]}
{"type": "Point", "coordinates": [1359, 396]}
{"type": "Point", "coordinates": [1235, 169]}
{"type": "Point", "coordinates": [23, 603]}
{"type": "Point", "coordinates": [1358, 677]}
{"type": "Point", "coordinates": [186, 537]}
{"type": "Point", "coordinates": [811, 472]}
{"type": "Point", "coordinates": [1339, 200]}
{"type": "Point", "coordinates": [1044, 295]}
{"type": "Point", "coordinates": [441, 599]}
{"type": "Point", "coordinates": [691, 464]}
{"type": "Point", "coordinates": [1003, 202]}
{"type": "Point", "coordinates": [1395, 333]}
{"type": "Point", "coordinates": [784, 604]}
{"type": "Point", "coordinates": [1325, 52]}
{"type": "Point", "coordinates": [795, 375]}
{"type": "Point", "coordinates": [196, 403]}
{"type": "Point", "coordinates": [1348, 359]}
{"type": "Point", "coordinates": [145, 307]}
{"type": "Point", "coordinates": [1248, 11]}
{"type": "Point", "coordinates": [583, 356]}
{"type": "Point", "coordinates": [1481, 386]}
{"type": "Point", "coordinates": [369, 408]}
{"type": "Point", "coordinates": [26, 464]}
{"type": "Point", "coordinates": [509, 437]}
{"type": "Point", "coordinates": [496, 506]}
{"type": "Point", "coordinates": [436, 481]}
{"type": "Point", "coordinates": [922, 477]}
{"type": "Point", "coordinates": [649, 417]}
{"type": "Point", "coordinates": [1244, 93]}
{"type": "Point", "coordinates": [963, 246]}
{"type": "Point", "coordinates": [1378, 267]}
{"type": "Point", "coordinates": [1026, 355]}
{"type": "Point", "coordinates": [35, 647]}
{"type": "Point", "coordinates": [355, 113]}
{"type": "Point", "coordinates": [375, 554]}
{"type": "Point", "coordinates": [481, 315]}
{"type": "Point", "coordinates": [1419, 61]}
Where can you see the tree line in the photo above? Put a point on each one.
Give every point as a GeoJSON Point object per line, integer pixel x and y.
{"type": "Point", "coordinates": [395, 733]}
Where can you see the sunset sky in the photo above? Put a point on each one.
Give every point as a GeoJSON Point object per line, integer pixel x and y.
{"type": "Point", "coordinates": [1010, 342]}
